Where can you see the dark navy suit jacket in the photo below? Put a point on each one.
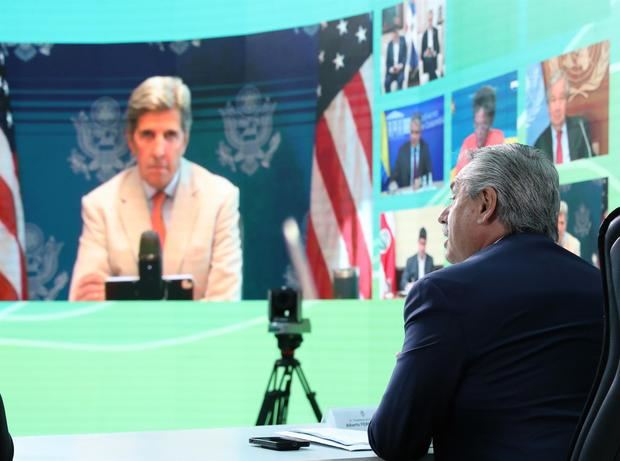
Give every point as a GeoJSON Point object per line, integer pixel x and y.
{"type": "Point", "coordinates": [6, 443]}
{"type": "Point", "coordinates": [402, 54]}
{"type": "Point", "coordinates": [499, 355]}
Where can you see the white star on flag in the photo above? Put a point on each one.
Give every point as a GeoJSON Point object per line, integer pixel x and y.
{"type": "Point", "coordinates": [339, 61]}
{"type": "Point", "coordinates": [342, 27]}
{"type": "Point", "coordinates": [318, 91]}
{"type": "Point", "coordinates": [322, 56]}
{"type": "Point", "coordinates": [361, 34]}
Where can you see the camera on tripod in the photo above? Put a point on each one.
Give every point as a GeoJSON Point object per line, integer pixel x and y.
{"type": "Point", "coordinates": [286, 323]}
{"type": "Point", "coordinates": [285, 313]}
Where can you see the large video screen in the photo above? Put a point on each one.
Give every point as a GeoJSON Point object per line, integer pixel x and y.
{"type": "Point", "coordinates": [351, 125]}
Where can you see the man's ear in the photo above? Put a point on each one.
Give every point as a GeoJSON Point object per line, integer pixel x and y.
{"type": "Point", "coordinates": [487, 205]}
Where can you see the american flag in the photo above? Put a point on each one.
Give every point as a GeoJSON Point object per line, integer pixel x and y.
{"type": "Point", "coordinates": [13, 275]}
{"type": "Point", "coordinates": [340, 226]}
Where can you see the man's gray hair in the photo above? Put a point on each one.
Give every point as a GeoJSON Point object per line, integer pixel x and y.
{"type": "Point", "coordinates": [557, 75]}
{"type": "Point", "coordinates": [416, 117]}
{"type": "Point", "coordinates": [563, 208]}
{"type": "Point", "coordinates": [159, 94]}
{"type": "Point", "coordinates": [526, 182]}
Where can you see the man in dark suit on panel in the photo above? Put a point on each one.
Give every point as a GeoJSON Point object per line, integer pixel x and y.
{"type": "Point", "coordinates": [413, 166]}
{"type": "Point", "coordinates": [6, 443]}
{"type": "Point", "coordinates": [430, 48]}
{"type": "Point", "coordinates": [566, 138]}
{"type": "Point", "coordinates": [395, 61]}
{"type": "Point", "coordinates": [500, 348]}
{"type": "Point", "coordinates": [417, 265]}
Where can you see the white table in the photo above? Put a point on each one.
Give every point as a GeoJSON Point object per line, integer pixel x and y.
{"type": "Point", "coordinates": [226, 444]}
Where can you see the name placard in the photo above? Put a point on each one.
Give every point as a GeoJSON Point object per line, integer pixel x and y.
{"type": "Point", "coordinates": [355, 418]}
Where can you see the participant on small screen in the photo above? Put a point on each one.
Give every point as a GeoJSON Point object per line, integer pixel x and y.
{"type": "Point", "coordinates": [430, 48]}
{"type": "Point", "coordinates": [484, 134]}
{"type": "Point", "coordinates": [413, 166]}
{"type": "Point", "coordinates": [417, 265]}
{"type": "Point", "coordinates": [565, 239]}
{"type": "Point", "coordinates": [566, 138]}
{"type": "Point", "coordinates": [395, 61]}
{"type": "Point", "coordinates": [195, 212]}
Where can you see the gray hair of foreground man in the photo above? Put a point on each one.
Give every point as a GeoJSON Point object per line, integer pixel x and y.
{"type": "Point", "coordinates": [526, 182]}
{"type": "Point", "coordinates": [157, 94]}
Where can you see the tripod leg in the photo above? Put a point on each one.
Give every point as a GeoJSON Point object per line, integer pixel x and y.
{"type": "Point", "coordinates": [265, 415]}
{"type": "Point", "coordinates": [309, 393]}
{"type": "Point", "coordinates": [274, 408]}
{"type": "Point", "coordinates": [284, 394]}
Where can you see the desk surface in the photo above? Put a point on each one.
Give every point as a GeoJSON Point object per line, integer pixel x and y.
{"type": "Point", "coordinates": [226, 444]}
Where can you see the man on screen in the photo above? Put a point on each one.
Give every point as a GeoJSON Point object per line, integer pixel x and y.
{"type": "Point", "coordinates": [413, 167]}
{"type": "Point", "coordinates": [395, 61]}
{"type": "Point", "coordinates": [565, 238]}
{"type": "Point", "coordinates": [430, 48]}
{"type": "Point", "coordinates": [194, 211]}
{"type": "Point", "coordinates": [566, 138]}
{"type": "Point", "coordinates": [501, 347]}
{"type": "Point", "coordinates": [418, 265]}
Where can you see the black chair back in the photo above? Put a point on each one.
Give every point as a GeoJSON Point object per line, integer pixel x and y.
{"type": "Point", "coordinates": [598, 434]}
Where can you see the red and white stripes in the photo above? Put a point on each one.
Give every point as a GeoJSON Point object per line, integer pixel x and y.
{"type": "Point", "coordinates": [340, 224]}
{"type": "Point", "coordinates": [13, 276]}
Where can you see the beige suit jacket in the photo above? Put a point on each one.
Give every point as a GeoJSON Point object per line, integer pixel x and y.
{"type": "Point", "coordinates": [202, 238]}
{"type": "Point", "coordinates": [571, 244]}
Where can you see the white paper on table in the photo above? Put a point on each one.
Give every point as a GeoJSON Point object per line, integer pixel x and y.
{"type": "Point", "coordinates": [346, 439]}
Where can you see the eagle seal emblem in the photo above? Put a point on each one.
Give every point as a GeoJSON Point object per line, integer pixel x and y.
{"type": "Point", "coordinates": [248, 127]}
{"type": "Point", "coordinates": [102, 147]}
{"type": "Point", "coordinates": [42, 265]}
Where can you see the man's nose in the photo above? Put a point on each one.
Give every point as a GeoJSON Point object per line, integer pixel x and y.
{"type": "Point", "coordinates": [159, 146]}
{"type": "Point", "coordinates": [443, 217]}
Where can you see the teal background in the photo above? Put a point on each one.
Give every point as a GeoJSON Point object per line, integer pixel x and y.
{"type": "Point", "coordinates": [140, 366]}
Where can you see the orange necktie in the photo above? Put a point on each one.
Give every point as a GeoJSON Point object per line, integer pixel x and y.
{"type": "Point", "coordinates": [157, 216]}
{"type": "Point", "coordinates": [558, 138]}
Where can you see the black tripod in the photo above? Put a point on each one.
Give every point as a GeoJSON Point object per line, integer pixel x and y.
{"type": "Point", "coordinates": [274, 408]}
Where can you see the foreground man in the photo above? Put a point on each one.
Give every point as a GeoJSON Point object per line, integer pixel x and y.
{"type": "Point", "coordinates": [195, 212]}
{"type": "Point", "coordinates": [500, 348]}
{"type": "Point", "coordinates": [6, 442]}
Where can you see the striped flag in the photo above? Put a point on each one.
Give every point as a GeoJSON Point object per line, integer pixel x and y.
{"type": "Point", "coordinates": [340, 227]}
{"type": "Point", "coordinates": [387, 250]}
{"type": "Point", "coordinates": [13, 275]}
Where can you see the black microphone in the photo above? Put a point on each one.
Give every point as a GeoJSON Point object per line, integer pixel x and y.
{"type": "Point", "coordinates": [151, 285]}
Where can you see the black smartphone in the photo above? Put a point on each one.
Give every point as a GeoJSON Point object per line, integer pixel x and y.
{"type": "Point", "coordinates": [278, 443]}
